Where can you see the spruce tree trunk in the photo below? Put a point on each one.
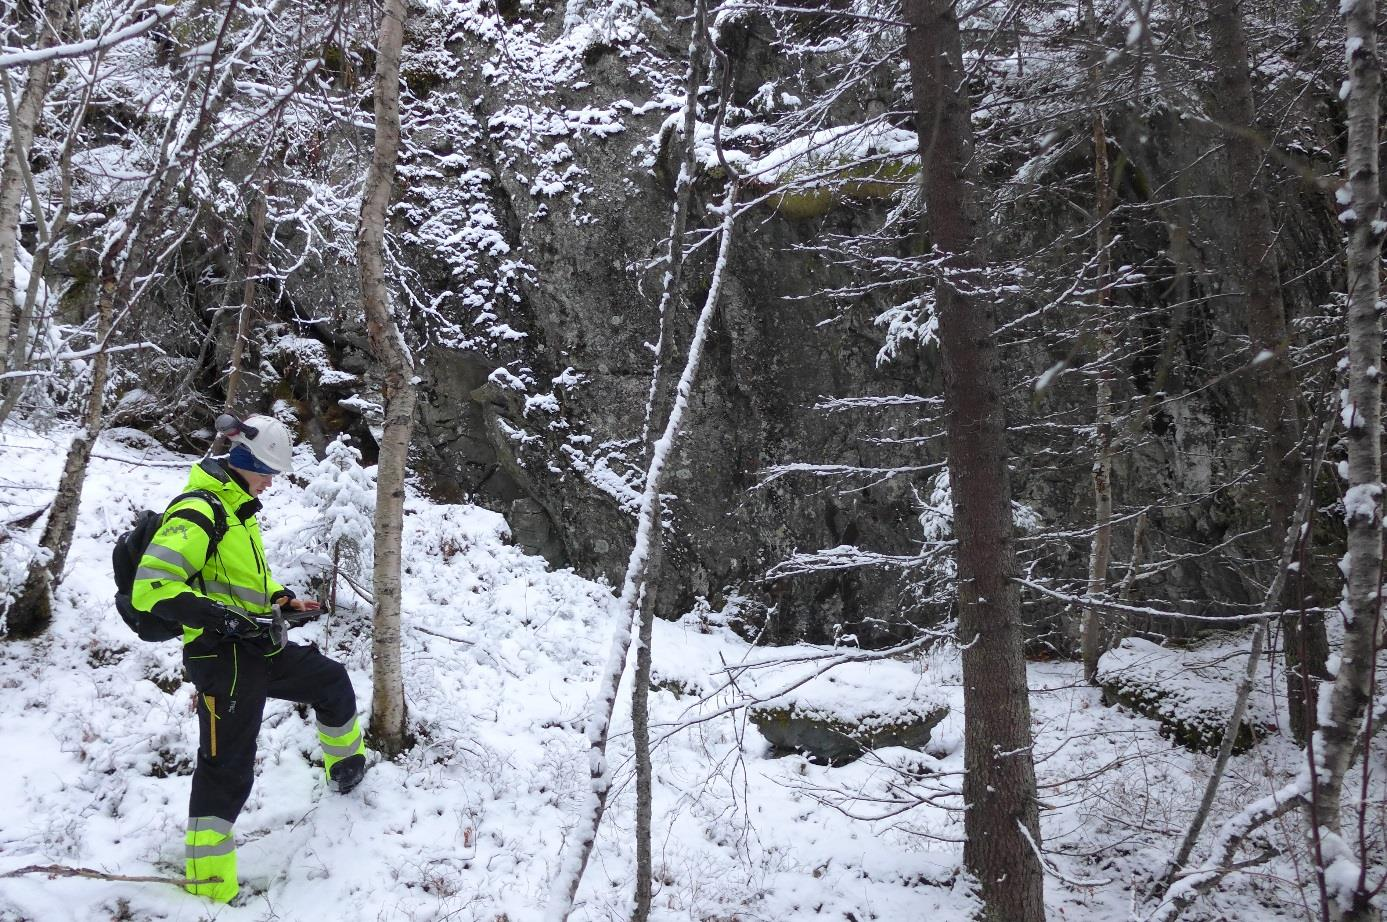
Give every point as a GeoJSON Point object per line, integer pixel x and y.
{"type": "Point", "coordinates": [387, 725]}
{"type": "Point", "coordinates": [999, 790]}
{"type": "Point", "coordinates": [1095, 639]}
{"type": "Point", "coordinates": [1258, 273]}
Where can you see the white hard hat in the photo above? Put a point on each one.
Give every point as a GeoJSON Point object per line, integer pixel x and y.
{"type": "Point", "coordinates": [265, 437]}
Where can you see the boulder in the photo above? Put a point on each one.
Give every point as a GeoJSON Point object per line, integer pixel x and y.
{"type": "Point", "coordinates": [1189, 691]}
{"type": "Point", "coordinates": [829, 737]}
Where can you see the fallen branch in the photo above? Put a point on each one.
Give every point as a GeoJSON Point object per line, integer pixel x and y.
{"type": "Point", "coordinates": [433, 633]}
{"type": "Point", "coordinates": [100, 348]}
{"type": "Point", "coordinates": [25, 520]}
{"type": "Point", "coordinates": [1053, 869]}
{"type": "Point", "coordinates": [471, 643]}
{"type": "Point", "coordinates": [53, 871]}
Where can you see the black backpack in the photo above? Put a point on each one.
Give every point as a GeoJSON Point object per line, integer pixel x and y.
{"type": "Point", "coordinates": [130, 547]}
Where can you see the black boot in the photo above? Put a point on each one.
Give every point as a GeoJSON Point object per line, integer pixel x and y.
{"type": "Point", "coordinates": [347, 773]}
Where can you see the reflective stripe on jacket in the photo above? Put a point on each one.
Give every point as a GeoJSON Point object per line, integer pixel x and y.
{"type": "Point", "coordinates": [236, 577]}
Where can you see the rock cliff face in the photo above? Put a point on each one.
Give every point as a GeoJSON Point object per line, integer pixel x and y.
{"type": "Point", "coordinates": [530, 213]}
{"type": "Point", "coordinates": [536, 193]}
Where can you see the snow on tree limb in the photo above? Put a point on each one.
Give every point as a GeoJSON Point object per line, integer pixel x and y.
{"type": "Point", "coordinates": [1118, 608]}
{"type": "Point", "coordinates": [25, 57]}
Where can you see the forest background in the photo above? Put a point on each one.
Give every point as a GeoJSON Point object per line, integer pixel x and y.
{"type": "Point", "coordinates": [1031, 331]}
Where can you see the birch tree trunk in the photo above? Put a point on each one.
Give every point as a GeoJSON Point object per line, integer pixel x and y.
{"type": "Point", "coordinates": [387, 725]}
{"type": "Point", "coordinates": [1001, 821]}
{"type": "Point", "coordinates": [1361, 198]}
{"type": "Point", "coordinates": [1258, 272]}
{"type": "Point", "coordinates": [24, 120]}
{"type": "Point", "coordinates": [584, 835]}
{"type": "Point", "coordinates": [49, 236]}
{"type": "Point", "coordinates": [683, 198]}
{"type": "Point", "coordinates": [32, 611]}
{"type": "Point", "coordinates": [670, 292]}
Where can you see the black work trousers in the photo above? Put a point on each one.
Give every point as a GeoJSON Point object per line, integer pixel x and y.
{"type": "Point", "coordinates": [233, 680]}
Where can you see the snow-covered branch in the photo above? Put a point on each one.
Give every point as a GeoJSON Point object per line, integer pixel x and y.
{"type": "Point", "coordinates": [119, 34]}
{"type": "Point", "coordinates": [1118, 608]}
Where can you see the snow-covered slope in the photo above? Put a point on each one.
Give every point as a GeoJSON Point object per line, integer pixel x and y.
{"type": "Point", "coordinates": [501, 656]}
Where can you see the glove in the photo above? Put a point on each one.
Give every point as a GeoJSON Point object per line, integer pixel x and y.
{"type": "Point", "coordinates": [236, 626]}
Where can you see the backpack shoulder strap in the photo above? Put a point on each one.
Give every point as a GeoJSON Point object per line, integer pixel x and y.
{"type": "Point", "coordinates": [217, 527]}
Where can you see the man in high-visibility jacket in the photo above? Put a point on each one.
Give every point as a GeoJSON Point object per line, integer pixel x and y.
{"type": "Point", "coordinates": [230, 653]}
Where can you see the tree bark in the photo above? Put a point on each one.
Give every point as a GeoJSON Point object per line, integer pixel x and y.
{"type": "Point", "coordinates": [243, 318]}
{"type": "Point", "coordinates": [1339, 729]}
{"type": "Point", "coordinates": [1258, 272]}
{"type": "Point", "coordinates": [1095, 638]}
{"type": "Point", "coordinates": [388, 719]}
{"type": "Point", "coordinates": [640, 733]}
{"type": "Point", "coordinates": [25, 120]}
{"type": "Point", "coordinates": [999, 783]}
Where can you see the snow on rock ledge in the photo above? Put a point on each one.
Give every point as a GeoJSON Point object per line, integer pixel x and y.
{"type": "Point", "coordinates": [830, 704]}
{"type": "Point", "coordinates": [1190, 692]}
{"type": "Point", "coordinates": [828, 737]}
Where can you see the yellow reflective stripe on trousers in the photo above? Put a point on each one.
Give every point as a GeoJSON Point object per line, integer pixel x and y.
{"type": "Point", "coordinates": [340, 742]}
{"type": "Point", "coordinates": [211, 858]}
{"type": "Point", "coordinates": [208, 837]}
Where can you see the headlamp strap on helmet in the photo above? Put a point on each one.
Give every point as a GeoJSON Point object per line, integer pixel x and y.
{"type": "Point", "coordinates": [231, 426]}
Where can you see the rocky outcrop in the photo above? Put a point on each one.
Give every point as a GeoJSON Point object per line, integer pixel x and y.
{"type": "Point", "coordinates": [830, 738]}
{"type": "Point", "coordinates": [1190, 692]}
{"type": "Point", "coordinates": [537, 408]}
{"type": "Point", "coordinates": [535, 196]}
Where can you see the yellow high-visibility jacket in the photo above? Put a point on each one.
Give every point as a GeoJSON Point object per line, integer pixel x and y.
{"type": "Point", "coordinates": [175, 575]}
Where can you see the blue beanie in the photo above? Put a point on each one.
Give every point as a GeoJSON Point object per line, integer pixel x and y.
{"type": "Point", "coordinates": [242, 457]}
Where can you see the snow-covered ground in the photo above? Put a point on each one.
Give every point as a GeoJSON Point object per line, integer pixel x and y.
{"type": "Point", "coordinates": [501, 657]}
